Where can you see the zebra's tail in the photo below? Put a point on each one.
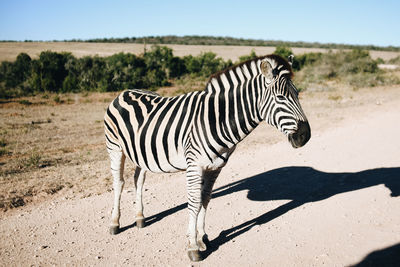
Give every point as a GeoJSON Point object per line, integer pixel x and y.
{"type": "Point", "coordinates": [111, 133]}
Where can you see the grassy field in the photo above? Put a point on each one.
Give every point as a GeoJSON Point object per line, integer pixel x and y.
{"type": "Point", "coordinates": [10, 50]}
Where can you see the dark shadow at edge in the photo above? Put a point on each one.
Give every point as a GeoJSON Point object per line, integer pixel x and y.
{"type": "Point", "coordinates": [386, 257]}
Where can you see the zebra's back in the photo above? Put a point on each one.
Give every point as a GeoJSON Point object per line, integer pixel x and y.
{"type": "Point", "coordinates": [150, 129]}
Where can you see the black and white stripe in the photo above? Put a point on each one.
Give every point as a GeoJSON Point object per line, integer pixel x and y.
{"type": "Point", "coordinates": [198, 131]}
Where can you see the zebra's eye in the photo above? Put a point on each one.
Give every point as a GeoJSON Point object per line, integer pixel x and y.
{"type": "Point", "coordinates": [281, 97]}
{"type": "Point", "coordinates": [275, 72]}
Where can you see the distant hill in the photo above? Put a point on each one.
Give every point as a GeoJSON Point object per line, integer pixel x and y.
{"type": "Point", "coordinates": [212, 40]}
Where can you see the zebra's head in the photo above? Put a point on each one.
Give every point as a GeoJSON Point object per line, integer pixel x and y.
{"type": "Point", "coordinates": [280, 106]}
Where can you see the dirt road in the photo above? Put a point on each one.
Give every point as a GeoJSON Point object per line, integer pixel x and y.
{"type": "Point", "coordinates": [334, 202]}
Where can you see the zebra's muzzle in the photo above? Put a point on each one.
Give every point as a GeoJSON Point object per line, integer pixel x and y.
{"type": "Point", "coordinates": [301, 136]}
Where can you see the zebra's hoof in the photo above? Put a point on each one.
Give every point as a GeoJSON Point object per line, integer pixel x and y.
{"type": "Point", "coordinates": [203, 243]}
{"type": "Point", "coordinates": [114, 230]}
{"type": "Point", "coordinates": [194, 255]}
{"type": "Point", "coordinates": [140, 223]}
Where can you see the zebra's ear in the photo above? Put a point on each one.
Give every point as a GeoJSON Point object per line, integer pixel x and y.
{"type": "Point", "coordinates": [290, 59]}
{"type": "Point", "coordinates": [266, 69]}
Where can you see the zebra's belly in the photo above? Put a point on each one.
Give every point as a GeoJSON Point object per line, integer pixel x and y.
{"type": "Point", "coordinates": [161, 162]}
{"type": "Point", "coordinates": [174, 164]}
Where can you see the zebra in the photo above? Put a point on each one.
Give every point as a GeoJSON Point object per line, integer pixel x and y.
{"type": "Point", "coordinates": [198, 131]}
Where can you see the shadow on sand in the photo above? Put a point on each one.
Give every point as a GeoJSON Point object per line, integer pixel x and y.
{"type": "Point", "coordinates": [302, 185]}
{"type": "Point", "coordinates": [299, 184]}
{"type": "Point", "coordinates": [386, 257]}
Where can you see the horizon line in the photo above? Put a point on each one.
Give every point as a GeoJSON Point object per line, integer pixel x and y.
{"type": "Point", "coordinates": [107, 39]}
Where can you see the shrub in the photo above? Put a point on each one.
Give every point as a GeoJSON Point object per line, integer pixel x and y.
{"type": "Point", "coordinates": [205, 64]}
{"type": "Point", "coordinates": [283, 51]}
{"type": "Point", "coordinates": [49, 71]}
{"type": "Point", "coordinates": [300, 61]}
{"type": "Point", "coordinates": [123, 71]}
{"type": "Point", "coordinates": [22, 67]}
{"type": "Point", "coordinates": [15, 73]}
{"type": "Point", "coordinates": [159, 58]}
{"type": "Point", "coordinates": [192, 64]}
{"type": "Point", "coordinates": [154, 78]}
{"type": "Point", "coordinates": [177, 67]}
{"type": "Point", "coordinates": [71, 81]}
{"type": "Point", "coordinates": [355, 68]}
{"type": "Point", "coordinates": [91, 72]}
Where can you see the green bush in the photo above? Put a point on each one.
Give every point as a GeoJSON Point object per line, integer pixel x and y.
{"type": "Point", "coordinates": [355, 68]}
{"type": "Point", "coordinates": [71, 81]}
{"type": "Point", "coordinates": [300, 61]}
{"type": "Point", "coordinates": [192, 64]}
{"type": "Point", "coordinates": [177, 67]}
{"type": "Point", "coordinates": [154, 78]}
{"type": "Point", "coordinates": [49, 71]}
{"type": "Point", "coordinates": [92, 71]}
{"type": "Point", "coordinates": [159, 57]}
{"type": "Point", "coordinates": [205, 64]}
{"type": "Point", "coordinates": [341, 64]}
{"type": "Point", "coordinates": [14, 75]}
{"type": "Point", "coordinates": [125, 71]}
{"type": "Point", "coordinates": [283, 51]}
{"type": "Point", "coordinates": [70, 84]}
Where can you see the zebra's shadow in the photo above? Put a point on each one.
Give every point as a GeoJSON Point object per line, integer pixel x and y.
{"type": "Point", "coordinates": [301, 185]}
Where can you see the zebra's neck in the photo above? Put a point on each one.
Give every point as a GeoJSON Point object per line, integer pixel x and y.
{"type": "Point", "coordinates": [231, 103]}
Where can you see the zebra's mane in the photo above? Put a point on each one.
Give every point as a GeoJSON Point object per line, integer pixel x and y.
{"type": "Point", "coordinates": [279, 60]}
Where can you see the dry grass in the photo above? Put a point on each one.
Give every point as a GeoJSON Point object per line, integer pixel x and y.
{"type": "Point", "coordinates": [10, 50]}
{"type": "Point", "coordinates": [42, 139]}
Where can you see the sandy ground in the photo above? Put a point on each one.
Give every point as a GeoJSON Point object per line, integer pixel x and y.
{"type": "Point", "coordinates": [10, 50]}
{"type": "Point", "coordinates": [334, 202]}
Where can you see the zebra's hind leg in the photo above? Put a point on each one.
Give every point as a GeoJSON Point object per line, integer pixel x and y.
{"type": "Point", "coordinates": [140, 177]}
{"type": "Point", "coordinates": [194, 181]}
{"type": "Point", "coordinates": [117, 170]}
{"type": "Point", "coordinates": [209, 178]}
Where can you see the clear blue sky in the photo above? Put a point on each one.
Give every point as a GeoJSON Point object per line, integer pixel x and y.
{"type": "Point", "coordinates": [350, 22]}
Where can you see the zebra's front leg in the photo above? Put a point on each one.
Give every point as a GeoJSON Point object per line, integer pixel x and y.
{"type": "Point", "coordinates": [194, 184]}
{"type": "Point", "coordinates": [117, 170]}
{"type": "Point", "coordinates": [140, 176]}
{"type": "Point", "coordinates": [209, 178]}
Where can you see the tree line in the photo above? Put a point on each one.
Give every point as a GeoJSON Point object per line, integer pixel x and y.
{"type": "Point", "coordinates": [215, 40]}
{"type": "Point", "coordinates": [218, 40]}
{"type": "Point", "coordinates": [63, 72]}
